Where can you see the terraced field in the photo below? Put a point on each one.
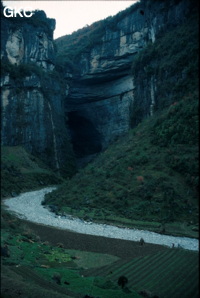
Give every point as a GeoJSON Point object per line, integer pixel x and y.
{"type": "Point", "coordinates": [170, 273]}
{"type": "Point", "coordinates": [91, 265]}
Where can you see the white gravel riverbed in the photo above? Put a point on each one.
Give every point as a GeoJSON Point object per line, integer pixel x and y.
{"type": "Point", "coordinates": [28, 206]}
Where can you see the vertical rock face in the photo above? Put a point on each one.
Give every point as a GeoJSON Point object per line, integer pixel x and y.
{"type": "Point", "coordinates": [32, 97]}
{"type": "Point", "coordinates": [30, 40]}
{"type": "Point", "coordinates": [99, 101]}
{"type": "Point", "coordinates": [105, 104]}
{"type": "Point", "coordinates": [104, 90]}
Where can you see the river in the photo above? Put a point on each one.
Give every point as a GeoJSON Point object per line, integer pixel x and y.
{"type": "Point", "coordinates": [28, 206]}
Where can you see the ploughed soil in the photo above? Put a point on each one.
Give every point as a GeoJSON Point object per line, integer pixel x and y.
{"type": "Point", "coordinates": [17, 279]}
{"type": "Point", "coordinates": [124, 249]}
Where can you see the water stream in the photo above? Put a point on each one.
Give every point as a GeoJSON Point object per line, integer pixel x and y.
{"type": "Point", "coordinates": [28, 206]}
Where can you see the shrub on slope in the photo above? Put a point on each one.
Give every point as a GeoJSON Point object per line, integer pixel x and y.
{"type": "Point", "coordinates": [141, 176]}
{"type": "Point", "coordinates": [20, 172]}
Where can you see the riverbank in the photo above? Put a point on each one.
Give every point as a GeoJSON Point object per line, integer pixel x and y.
{"type": "Point", "coordinates": [28, 206]}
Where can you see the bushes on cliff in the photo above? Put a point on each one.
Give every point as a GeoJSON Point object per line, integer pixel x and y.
{"type": "Point", "coordinates": [19, 72]}
{"type": "Point", "coordinates": [172, 62]}
{"type": "Point", "coordinates": [38, 19]}
{"type": "Point", "coordinates": [70, 47]}
{"type": "Point", "coordinates": [180, 124]}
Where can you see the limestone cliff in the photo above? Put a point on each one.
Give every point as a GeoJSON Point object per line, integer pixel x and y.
{"type": "Point", "coordinates": [32, 92]}
{"type": "Point", "coordinates": [28, 40]}
{"type": "Point", "coordinates": [97, 85]}
{"type": "Point", "coordinates": [102, 88]}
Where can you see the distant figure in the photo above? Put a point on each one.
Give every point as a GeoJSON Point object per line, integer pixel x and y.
{"type": "Point", "coordinates": [142, 241]}
{"type": "Point", "coordinates": [172, 245]}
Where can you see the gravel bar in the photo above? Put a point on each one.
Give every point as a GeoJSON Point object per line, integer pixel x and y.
{"type": "Point", "coordinates": [28, 206]}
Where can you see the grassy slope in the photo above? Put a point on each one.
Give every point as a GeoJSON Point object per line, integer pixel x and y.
{"type": "Point", "coordinates": [136, 178]}
{"type": "Point", "coordinates": [23, 273]}
{"type": "Point", "coordinates": [29, 270]}
{"type": "Point", "coordinates": [33, 264]}
{"type": "Point", "coordinates": [20, 172]}
{"type": "Point", "coordinates": [135, 181]}
{"type": "Point", "coordinates": [150, 176]}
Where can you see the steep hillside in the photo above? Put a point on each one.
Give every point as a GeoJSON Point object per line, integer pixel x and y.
{"type": "Point", "coordinates": [140, 177]}
{"type": "Point", "coordinates": [21, 171]}
{"type": "Point", "coordinates": [150, 174]}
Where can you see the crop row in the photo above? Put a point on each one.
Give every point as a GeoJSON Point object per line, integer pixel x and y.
{"type": "Point", "coordinates": [171, 273]}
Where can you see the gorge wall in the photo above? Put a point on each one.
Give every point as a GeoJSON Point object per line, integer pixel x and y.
{"type": "Point", "coordinates": [87, 94]}
{"type": "Point", "coordinates": [32, 93]}
{"type": "Point", "coordinates": [102, 89]}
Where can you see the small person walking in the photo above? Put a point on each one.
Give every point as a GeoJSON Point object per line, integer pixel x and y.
{"type": "Point", "coordinates": [142, 241]}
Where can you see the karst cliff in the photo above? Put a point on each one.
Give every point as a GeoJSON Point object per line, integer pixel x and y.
{"type": "Point", "coordinates": [32, 94]}
{"type": "Point", "coordinates": [85, 88]}
{"type": "Point", "coordinates": [104, 91]}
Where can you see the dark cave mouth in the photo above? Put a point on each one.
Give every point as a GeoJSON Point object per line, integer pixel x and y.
{"type": "Point", "coordinates": [85, 138]}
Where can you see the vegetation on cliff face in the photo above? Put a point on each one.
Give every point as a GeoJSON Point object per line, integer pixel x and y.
{"type": "Point", "coordinates": [70, 47]}
{"type": "Point", "coordinates": [38, 19]}
{"type": "Point", "coordinates": [147, 179]}
{"type": "Point", "coordinates": [152, 173]}
{"type": "Point", "coordinates": [52, 86]}
{"type": "Point", "coordinates": [171, 63]}
{"type": "Point", "coordinates": [29, 88]}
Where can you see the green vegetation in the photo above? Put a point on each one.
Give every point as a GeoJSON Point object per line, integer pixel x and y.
{"type": "Point", "coordinates": [33, 267]}
{"type": "Point", "coordinates": [50, 269]}
{"type": "Point", "coordinates": [149, 175]}
{"type": "Point", "coordinates": [171, 62]}
{"type": "Point", "coordinates": [19, 72]}
{"type": "Point", "coordinates": [38, 19]}
{"type": "Point", "coordinates": [172, 273]}
{"type": "Point", "coordinates": [147, 179]}
{"type": "Point", "coordinates": [70, 47]}
{"type": "Point", "coordinates": [51, 85]}
{"type": "Point", "coordinates": [20, 172]}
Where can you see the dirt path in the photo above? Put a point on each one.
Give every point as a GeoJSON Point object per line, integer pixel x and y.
{"type": "Point", "coordinates": [121, 248]}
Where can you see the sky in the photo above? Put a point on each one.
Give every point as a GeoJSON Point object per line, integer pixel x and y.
{"type": "Point", "coordinates": [73, 15]}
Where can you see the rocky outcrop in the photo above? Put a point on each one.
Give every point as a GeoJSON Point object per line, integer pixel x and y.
{"type": "Point", "coordinates": [100, 100]}
{"type": "Point", "coordinates": [28, 41]}
{"type": "Point", "coordinates": [32, 93]}
{"type": "Point", "coordinates": [103, 89]}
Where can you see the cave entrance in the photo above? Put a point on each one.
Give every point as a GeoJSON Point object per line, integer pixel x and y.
{"type": "Point", "coordinates": [85, 138]}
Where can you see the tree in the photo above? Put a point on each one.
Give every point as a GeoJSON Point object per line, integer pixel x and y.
{"type": "Point", "coordinates": [122, 281]}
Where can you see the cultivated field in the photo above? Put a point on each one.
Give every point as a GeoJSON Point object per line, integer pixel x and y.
{"type": "Point", "coordinates": [151, 269]}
